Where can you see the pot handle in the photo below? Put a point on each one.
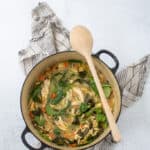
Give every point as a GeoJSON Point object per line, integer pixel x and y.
{"type": "Point", "coordinates": [25, 131]}
{"type": "Point", "coordinates": [115, 59]}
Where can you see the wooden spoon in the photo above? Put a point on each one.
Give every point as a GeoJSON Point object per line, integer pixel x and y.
{"type": "Point", "coordinates": [82, 42]}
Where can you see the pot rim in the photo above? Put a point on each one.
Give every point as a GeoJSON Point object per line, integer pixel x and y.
{"type": "Point", "coordinates": [120, 93]}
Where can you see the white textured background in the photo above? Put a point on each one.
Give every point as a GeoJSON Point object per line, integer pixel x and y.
{"type": "Point", "coordinates": [122, 26]}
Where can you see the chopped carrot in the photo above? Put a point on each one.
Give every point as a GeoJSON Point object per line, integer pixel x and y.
{"type": "Point", "coordinates": [42, 78]}
{"type": "Point", "coordinates": [52, 135]}
{"type": "Point", "coordinates": [53, 95]}
{"type": "Point", "coordinates": [69, 135]}
{"type": "Point", "coordinates": [81, 126]}
{"type": "Point", "coordinates": [31, 115]}
{"type": "Point", "coordinates": [66, 64]}
{"type": "Point", "coordinates": [73, 145]}
{"type": "Point", "coordinates": [43, 109]}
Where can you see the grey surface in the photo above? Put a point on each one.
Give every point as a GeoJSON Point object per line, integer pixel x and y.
{"type": "Point", "coordinates": [120, 26]}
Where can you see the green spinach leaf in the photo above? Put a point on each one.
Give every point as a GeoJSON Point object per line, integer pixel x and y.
{"type": "Point", "coordinates": [36, 93]}
{"type": "Point", "coordinates": [58, 98]}
{"type": "Point", "coordinates": [53, 112]}
{"type": "Point", "coordinates": [100, 117]}
{"type": "Point", "coordinates": [74, 61]}
{"type": "Point", "coordinates": [57, 131]}
{"type": "Point", "coordinates": [107, 90]}
{"type": "Point", "coordinates": [39, 120]}
{"type": "Point", "coordinates": [93, 85]}
{"type": "Point", "coordinates": [84, 107]}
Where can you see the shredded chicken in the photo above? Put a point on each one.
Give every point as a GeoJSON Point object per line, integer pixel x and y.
{"type": "Point", "coordinates": [45, 91]}
{"type": "Point", "coordinates": [79, 92]}
{"type": "Point", "coordinates": [61, 124]}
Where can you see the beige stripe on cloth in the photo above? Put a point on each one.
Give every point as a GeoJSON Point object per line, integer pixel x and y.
{"type": "Point", "coordinates": [49, 36]}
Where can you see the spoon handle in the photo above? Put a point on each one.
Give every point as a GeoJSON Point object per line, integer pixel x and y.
{"type": "Point", "coordinates": [113, 126]}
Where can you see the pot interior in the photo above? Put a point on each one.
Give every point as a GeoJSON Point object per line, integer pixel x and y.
{"type": "Point", "coordinates": [49, 61]}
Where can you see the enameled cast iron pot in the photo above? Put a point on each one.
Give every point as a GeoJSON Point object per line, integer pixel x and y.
{"type": "Point", "coordinates": [51, 60]}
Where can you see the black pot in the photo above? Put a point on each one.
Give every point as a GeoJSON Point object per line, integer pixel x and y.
{"type": "Point", "coordinates": [50, 60]}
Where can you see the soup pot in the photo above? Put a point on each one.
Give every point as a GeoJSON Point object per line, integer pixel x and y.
{"type": "Point", "coordinates": [100, 65]}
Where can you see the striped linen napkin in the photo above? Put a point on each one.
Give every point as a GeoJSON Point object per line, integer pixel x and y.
{"type": "Point", "coordinates": [49, 36]}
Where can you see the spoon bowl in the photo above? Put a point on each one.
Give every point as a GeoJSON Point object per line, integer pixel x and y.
{"type": "Point", "coordinates": [81, 40]}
